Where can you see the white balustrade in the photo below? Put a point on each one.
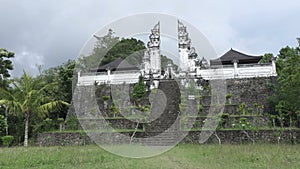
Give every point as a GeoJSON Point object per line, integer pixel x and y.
{"type": "Point", "coordinates": [227, 72]}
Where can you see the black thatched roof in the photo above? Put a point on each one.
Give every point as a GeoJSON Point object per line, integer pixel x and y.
{"type": "Point", "coordinates": [118, 64]}
{"type": "Point", "coordinates": [231, 55]}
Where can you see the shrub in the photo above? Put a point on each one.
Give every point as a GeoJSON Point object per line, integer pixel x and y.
{"type": "Point", "coordinates": [7, 140]}
{"type": "Point", "coordinates": [242, 108]}
{"type": "Point", "coordinates": [48, 125]}
{"type": "Point", "coordinates": [228, 98]}
{"type": "Point", "coordinates": [105, 97]}
{"type": "Point", "coordinates": [225, 116]}
{"type": "Point", "coordinates": [72, 123]}
{"type": "Point", "coordinates": [140, 89]}
{"type": "Point", "coordinates": [114, 110]}
{"type": "Point", "coordinates": [244, 124]}
{"type": "Point", "coordinates": [201, 108]}
{"type": "Point", "coordinates": [3, 124]}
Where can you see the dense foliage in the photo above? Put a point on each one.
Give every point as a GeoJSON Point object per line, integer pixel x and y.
{"type": "Point", "coordinates": [29, 96]}
{"type": "Point", "coordinates": [5, 66]}
{"type": "Point", "coordinates": [3, 125]}
{"type": "Point", "coordinates": [109, 47]}
{"type": "Point", "coordinates": [287, 93]}
{"type": "Point", "coordinates": [139, 90]}
{"type": "Point", "coordinates": [266, 58]}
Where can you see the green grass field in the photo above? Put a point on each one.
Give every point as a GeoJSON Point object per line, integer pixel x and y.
{"type": "Point", "coordinates": [182, 156]}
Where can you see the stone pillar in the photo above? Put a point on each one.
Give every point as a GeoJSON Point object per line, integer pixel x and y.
{"type": "Point", "coordinates": [146, 61]}
{"type": "Point", "coordinates": [183, 59]}
{"type": "Point", "coordinates": [154, 49]}
{"type": "Point", "coordinates": [273, 59]}
{"type": "Point", "coordinates": [108, 76]}
{"type": "Point", "coordinates": [235, 65]}
{"type": "Point", "coordinates": [78, 77]}
{"type": "Point", "coordinates": [184, 44]}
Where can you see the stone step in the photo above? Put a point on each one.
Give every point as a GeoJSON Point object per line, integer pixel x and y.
{"type": "Point", "coordinates": [171, 91]}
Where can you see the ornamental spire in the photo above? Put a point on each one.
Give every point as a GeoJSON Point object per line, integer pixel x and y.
{"type": "Point", "coordinates": [152, 55]}
{"type": "Point", "coordinates": [154, 37]}
{"type": "Point", "coordinates": [183, 36]}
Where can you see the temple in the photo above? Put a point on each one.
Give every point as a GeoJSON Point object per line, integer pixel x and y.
{"type": "Point", "coordinates": [233, 64]}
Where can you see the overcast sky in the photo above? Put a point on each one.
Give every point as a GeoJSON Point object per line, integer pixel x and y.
{"type": "Point", "coordinates": [49, 32]}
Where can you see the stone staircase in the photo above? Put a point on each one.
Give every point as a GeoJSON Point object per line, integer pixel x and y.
{"type": "Point", "coordinates": [163, 131]}
{"type": "Point", "coordinates": [168, 117]}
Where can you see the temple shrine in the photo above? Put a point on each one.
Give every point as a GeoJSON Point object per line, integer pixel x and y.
{"type": "Point", "coordinates": [232, 64]}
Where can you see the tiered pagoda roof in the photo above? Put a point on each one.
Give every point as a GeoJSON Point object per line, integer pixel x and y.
{"type": "Point", "coordinates": [231, 55]}
{"type": "Point", "coordinates": [117, 65]}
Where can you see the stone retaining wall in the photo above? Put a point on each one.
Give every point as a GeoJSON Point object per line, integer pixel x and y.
{"type": "Point", "coordinates": [251, 91]}
{"type": "Point", "coordinates": [226, 136]}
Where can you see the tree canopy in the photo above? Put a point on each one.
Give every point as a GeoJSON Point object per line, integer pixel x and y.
{"type": "Point", "coordinates": [5, 66]}
{"type": "Point", "coordinates": [130, 49]}
{"type": "Point", "coordinates": [266, 58]}
{"type": "Point", "coordinates": [29, 96]}
{"type": "Point", "coordinates": [109, 47]}
{"type": "Point", "coordinates": [287, 93]}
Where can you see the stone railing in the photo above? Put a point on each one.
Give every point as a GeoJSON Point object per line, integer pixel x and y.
{"type": "Point", "coordinates": [113, 78]}
{"type": "Point", "coordinates": [242, 71]}
{"type": "Point", "coordinates": [214, 72]}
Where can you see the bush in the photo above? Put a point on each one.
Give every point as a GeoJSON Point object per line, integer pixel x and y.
{"type": "Point", "coordinates": [140, 89]}
{"type": "Point", "coordinates": [244, 124]}
{"type": "Point", "coordinates": [242, 108]}
{"type": "Point", "coordinates": [7, 140]}
{"type": "Point", "coordinates": [105, 97]}
{"type": "Point", "coordinates": [48, 125]}
{"type": "Point", "coordinates": [228, 96]}
{"type": "Point", "coordinates": [3, 124]}
{"type": "Point", "coordinates": [72, 123]}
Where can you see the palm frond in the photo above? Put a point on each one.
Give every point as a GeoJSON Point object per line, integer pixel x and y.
{"type": "Point", "coordinates": [51, 106]}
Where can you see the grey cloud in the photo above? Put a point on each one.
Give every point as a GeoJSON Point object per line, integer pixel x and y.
{"type": "Point", "coordinates": [52, 32]}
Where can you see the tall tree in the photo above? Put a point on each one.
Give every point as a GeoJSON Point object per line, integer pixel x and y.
{"type": "Point", "coordinates": [28, 97]}
{"type": "Point", "coordinates": [109, 47]}
{"type": "Point", "coordinates": [5, 66]}
{"type": "Point", "coordinates": [287, 92]}
{"type": "Point", "coordinates": [103, 44]}
{"type": "Point", "coordinates": [130, 49]}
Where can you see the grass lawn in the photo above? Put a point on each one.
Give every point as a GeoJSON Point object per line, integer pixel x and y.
{"type": "Point", "coordinates": [182, 156]}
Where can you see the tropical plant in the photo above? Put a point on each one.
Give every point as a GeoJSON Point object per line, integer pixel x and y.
{"type": "Point", "coordinates": [29, 97]}
{"type": "Point", "coordinates": [7, 140]}
{"type": "Point", "coordinates": [140, 89]}
{"type": "Point", "coordinates": [3, 124]}
{"type": "Point", "coordinates": [228, 98]}
{"type": "Point", "coordinates": [242, 108]}
{"type": "Point", "coordinates": [72, 123]}
{"type": "Point", "coordinates": [286, 97]}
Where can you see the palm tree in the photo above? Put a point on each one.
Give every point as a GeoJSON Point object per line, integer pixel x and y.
{"type": "Point", "coordinates": [29, 96]}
